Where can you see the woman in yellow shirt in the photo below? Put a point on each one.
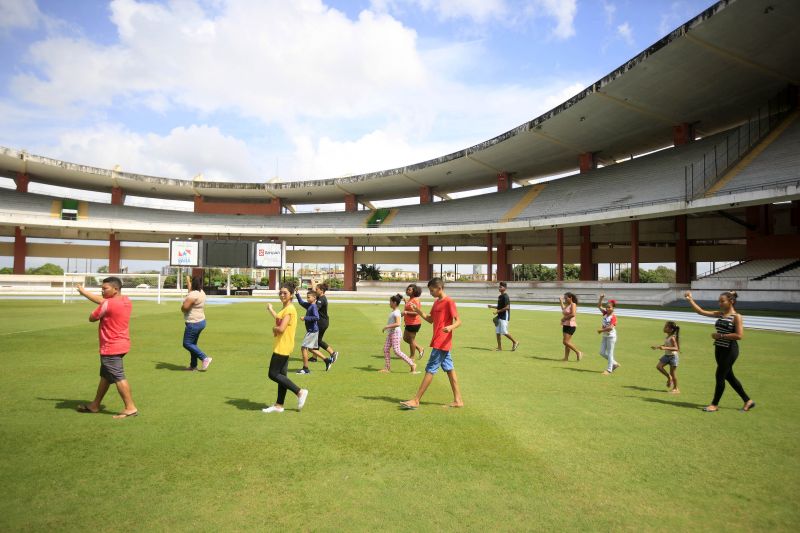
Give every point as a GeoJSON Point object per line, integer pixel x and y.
{"type": "Point", "coordinates": [283, 345]}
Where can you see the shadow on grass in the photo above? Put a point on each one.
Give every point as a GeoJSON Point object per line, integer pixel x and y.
{"type": "Point", "coordinates": [481, 348]}
{"type": "Point", "coordinates": [540, 358]}
{"type": "Point", "coordinates": [244, 404]}
{"type": "Point", "coordinates": [685, 405]}
{"type": "Point", "coordinates": [63, 403]}
{"type": "Point", "coordinates": [161, 365]}
{"type": "Point", "coordinates": [368, 368]}
{"type": "Point", "coordinates": [396, 401]}
{"type": "Point", "coordinates": [578, 369]}
{"type": "Point", "coordinates": [645, 389]}
{"type": "Point", "coordinates": [387, 399]}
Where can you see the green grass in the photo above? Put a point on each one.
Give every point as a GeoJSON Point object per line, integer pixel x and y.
{"type": "Point", "coordinates": [540, 445]}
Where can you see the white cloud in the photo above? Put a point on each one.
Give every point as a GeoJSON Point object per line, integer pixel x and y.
{"type": "Point", "coordinates": [269, 60]}
{"type": "Point", "coordinates": [182, 154]}
{"type": "Point", "coordinates": [625, 33]}
{"type": "Point", "coordinates": [19, 14]}
{"type": "Point", "coordinates": [292, 66]}
{"type": "Point", "coordinates": [564, 12]}
{"type": "Point", "coordinates": [478, 10]}
{"type": "Point", "coordinates": [610, 10]}
{"type": "Point", "coordinates": [508, 12]}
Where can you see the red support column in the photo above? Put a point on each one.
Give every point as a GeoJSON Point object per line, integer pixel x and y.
{"type": "Point", "coordinates": [349, 265]}
{"type": "Point", "coordinates": [20, 240]}
{"type": "Point", "coordinates": [587, 161]}
{"type": "Point", "coordinates": [503, 182]}
{"type": "Point", "coordinates": [560, 254]}
{"type": "Point", "coordinates": [425, 267]}
{"type": "Point", "coordinates": [114, 250]}
{"type": "Point", "coordinates": [682, 134]}
{"type": "Point", "coordinates": [587, 267]}
{"type": "Point", "coordinates": [350, 203]}
{"type": "Point", "coordinates": [502, 258]}
{"type": "Point", "coordinates": [273, 279]}
{"type": "Point", "coordinates": [117, 196]}
{"type": "Point", "coordinates": [635, 251]}
{"type": "Point", "coordinates": [113, 254]}
{"type": "Point", "coordinates": [489, 259]}
{"type": "Point", "coordinates": [682, 269]}
{"type": "Point", "coordinates": [22, 181]}
{"type": "Point", "coordinates": [425, 194]}
{"type": "Point", "coordinates": [20, 250]}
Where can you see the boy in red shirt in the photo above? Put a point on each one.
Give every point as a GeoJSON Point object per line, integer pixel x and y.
{"type": "Point", "coordinates": [444, 318]}
{"type": "Point", "coordinates": [113, 313]}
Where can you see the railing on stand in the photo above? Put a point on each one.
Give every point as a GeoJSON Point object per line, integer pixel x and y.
{"type": "Point", "coordinates": [704, 173]}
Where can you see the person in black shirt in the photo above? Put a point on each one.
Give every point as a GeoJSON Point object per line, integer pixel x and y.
{"type": "Point", "coordinates": [324, 322]}
{"type": "Point", "coordinates": [502, 313]}
{"type": "Point", "coordinates": [729, 331]}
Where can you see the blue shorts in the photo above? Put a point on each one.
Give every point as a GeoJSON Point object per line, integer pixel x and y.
{"type": "Point", "coordinates": [671, 360]}
{"type": "Point", "coordinates": [439, 358]}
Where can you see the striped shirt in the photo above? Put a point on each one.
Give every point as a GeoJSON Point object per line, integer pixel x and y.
{"type": "Point", "coordinates": [725, 325]}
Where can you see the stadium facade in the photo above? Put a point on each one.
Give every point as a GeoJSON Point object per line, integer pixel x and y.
{"type": "Point", "coordinates": [687, 153]}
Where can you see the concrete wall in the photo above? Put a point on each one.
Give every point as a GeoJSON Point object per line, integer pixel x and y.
{"type": "Point", "coordinates": [587, 292]}
{"type": "Point", "coordinates": [776, 290]}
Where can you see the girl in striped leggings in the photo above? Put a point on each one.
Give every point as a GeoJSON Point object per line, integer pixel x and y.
{"type": "Point", "coordinates": [729, 330]}
{"type": "Point", "coordinates": [393, 337]}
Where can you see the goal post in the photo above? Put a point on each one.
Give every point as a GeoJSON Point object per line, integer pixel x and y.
{"type": "Point", "coordinates": [139, 284]}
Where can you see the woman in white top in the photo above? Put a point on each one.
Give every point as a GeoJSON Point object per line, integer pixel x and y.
{"type": "Point", "coordinates": [195, 319]}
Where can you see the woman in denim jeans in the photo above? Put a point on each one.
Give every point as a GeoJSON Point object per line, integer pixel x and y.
{"type": "Point", "coordinates": [195, 318]}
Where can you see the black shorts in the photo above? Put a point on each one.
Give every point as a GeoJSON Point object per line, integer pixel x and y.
{"type": "Point", "coordinates": [413, 328]}
{"type": "Point", "coordinates": [569, 330]}
{"type": "Point", "coordinates": [111, 368]}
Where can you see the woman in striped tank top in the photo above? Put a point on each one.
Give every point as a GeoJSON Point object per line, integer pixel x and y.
{"type": "Point", "coordinates": [730, 330]}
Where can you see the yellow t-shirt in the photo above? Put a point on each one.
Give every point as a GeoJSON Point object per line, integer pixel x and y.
{"type": "Point", "coordinates": [283, 343]}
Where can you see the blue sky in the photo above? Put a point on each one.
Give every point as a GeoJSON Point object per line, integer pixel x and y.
{"type": "Point", "coordinates": [253, 90]}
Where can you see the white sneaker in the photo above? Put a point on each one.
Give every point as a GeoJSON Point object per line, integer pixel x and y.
{"type": "Point", "coordinates": [301, 398]}
{"type": "Point", "coordinates": [207, 362]}
{"type": "Point", "coordinates": [272, 409]}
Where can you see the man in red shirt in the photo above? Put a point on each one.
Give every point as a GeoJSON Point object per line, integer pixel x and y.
{"type": "Point", "coordinates": [113, 313]}
{"type": "Point", "coordinates": [444, 318]}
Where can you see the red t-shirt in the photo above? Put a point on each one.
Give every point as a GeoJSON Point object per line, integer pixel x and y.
{"type": "Point", "coordinates": [114, 315]}
{"type": "Point", "coordinates": [411, 318]}
{"type": "Point", "coordinates": [442, 312]}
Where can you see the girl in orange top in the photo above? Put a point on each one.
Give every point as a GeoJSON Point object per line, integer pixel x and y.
{"type": "Point", "coordinates": [569, 308]}
{"type": "Point", "coordinates": [412, 320]}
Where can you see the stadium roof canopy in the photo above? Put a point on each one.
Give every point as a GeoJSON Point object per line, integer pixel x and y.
{"type": "Point", "coordinates": [712, 72]}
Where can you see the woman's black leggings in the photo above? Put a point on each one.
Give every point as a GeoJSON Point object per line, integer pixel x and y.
{"type": "Point", "coordinates": [321, 343]}
{"type": "Point", "coordinates": [278, 367]}
{"type": "Point", "coordinates": [725, 359]}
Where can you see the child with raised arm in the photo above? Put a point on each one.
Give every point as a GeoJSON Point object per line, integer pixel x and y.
{"type": "Point", "coordinates": [392, 330]}
{"type": "Point", "coordinates": [729, 331]}
{"type": "Point", "coordinates": [311, 340]}
{"type": "Point", "coordinates": [283, 345]}
{"type": "Point", "coordinates": [671, 348]}
{"type": "Point", "coordinates": [444, 318]}
{"type": "Point", "coordinates": [608, 329]}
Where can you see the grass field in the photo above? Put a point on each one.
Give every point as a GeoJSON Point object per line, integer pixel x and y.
{"type": "Point", "coordinates": [540, 445]}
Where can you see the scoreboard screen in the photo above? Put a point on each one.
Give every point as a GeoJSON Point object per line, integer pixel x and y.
{"type": "Point", "coordinates": [230, 254]}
